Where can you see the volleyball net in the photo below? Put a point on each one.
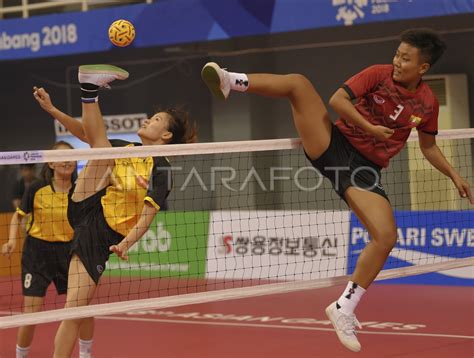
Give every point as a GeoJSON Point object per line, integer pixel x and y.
{"type": "Point", "coordinates": [255, 218]}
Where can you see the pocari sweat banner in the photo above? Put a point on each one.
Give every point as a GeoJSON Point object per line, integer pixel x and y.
{"type": "Point", "coordinates": [424, 237]}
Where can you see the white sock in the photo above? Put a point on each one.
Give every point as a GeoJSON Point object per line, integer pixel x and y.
{"type": "Point", "coordinates": [85, 348]}
{"type": "Point", "coordinates": [350, 298]}
{"type": "Point", "coordinates": [238, 81]}
{"type": "Point", "coordinates": [22, 352]}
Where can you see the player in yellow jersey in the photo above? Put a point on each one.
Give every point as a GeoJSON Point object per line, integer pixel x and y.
{"type": "Point", "coordinates": [45, 256]}
{"type": "Point", "coordinates": [114, 201]}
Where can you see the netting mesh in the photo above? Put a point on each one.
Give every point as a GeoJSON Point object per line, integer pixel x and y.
{"type": "Point", "coordinates": [249, 218]}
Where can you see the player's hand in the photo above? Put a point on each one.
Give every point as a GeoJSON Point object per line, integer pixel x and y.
{"type": "Point", "coordinates": [43, 99]}
{"type": "Point", "coordinates": [381, 133]}
{"type": "Point", "coordinates": [120, 250]}
{"type": "Point", "coordinates": [463, 188]}
{"type": "Point", "coordinates": [8, 248]}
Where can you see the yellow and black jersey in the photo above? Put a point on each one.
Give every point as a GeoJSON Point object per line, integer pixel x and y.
{"type": "Point", "coordinates": [48, 209]}
{"type": "Point", "coordinates": [134, 181]}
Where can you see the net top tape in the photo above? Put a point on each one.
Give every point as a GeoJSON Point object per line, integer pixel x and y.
{"type": "Point", "coordinates": [43, 156]}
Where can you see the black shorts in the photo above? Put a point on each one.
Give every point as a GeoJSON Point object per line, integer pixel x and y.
{"type": "Point", "coordinates": [43, 262]}
{"type": "Point", "coordinates": [345, 166]}
{"type": "Point", "coordinates": [92, 234]}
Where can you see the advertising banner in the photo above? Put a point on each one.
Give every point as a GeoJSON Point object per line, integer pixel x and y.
{"type": "Point", "coordinates": [185, 21]}
{"type": "Point", "coordinates": [174, 246]}
{"type": "Point", "coordinates": [294, 245]}
{"type": "Point", "coordinates": [425, 237]}
{"type": "Point", "coordinates": [117, 123]}
{"type": "Point", "coordinates": [277, 245]}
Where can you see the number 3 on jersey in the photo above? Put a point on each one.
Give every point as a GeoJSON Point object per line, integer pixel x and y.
{"type": "Point", "coordinates": [397, 112]}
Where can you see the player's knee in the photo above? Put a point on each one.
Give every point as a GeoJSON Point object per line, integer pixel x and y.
{"type": "Point", "coordinates": [300, 87]}
{"type": "Point", "coordinates": [386, 239]}
{"type": "Point", "coordinates": [77, 322]}
{"type": "Point", "coordinates": [72, 323]}
{"type": "Point", "coordinates": [391, 241]}
{"type": "Point", "coordinates": [75, 299]}
{"type": "Point", "coordinates": [299, 81]}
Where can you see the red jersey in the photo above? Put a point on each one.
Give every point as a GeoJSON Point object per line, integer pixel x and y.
{"type": "Point", "coordinates": [384, 102]}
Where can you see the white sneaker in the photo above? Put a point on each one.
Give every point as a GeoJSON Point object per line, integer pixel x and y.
{"type": "Point", "coordinates": [344, 326]}
{"type": "Point", "coordinates": [101, 75]}
{"type": "Point", "coordinates": [216, 79]}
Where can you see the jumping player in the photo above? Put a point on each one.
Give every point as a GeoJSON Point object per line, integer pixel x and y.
{"type": "Point", "coordinates": [391, 100]}
{"type": "Point", "coordinates": [114, 201]}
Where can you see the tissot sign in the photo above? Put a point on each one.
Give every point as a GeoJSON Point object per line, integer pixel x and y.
{"type": "Point", "coordinates": [118, 123]}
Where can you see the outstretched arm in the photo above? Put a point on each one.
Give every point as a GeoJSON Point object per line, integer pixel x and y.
{"type": "Point", "coordinates": [141, 227]}
{"type": "Point", "coordinates": [434, 155]}
{"type": "Point", "coordinates": [73, 125]}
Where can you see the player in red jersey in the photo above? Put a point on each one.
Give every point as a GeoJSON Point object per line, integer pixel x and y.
{"type": "Point", "coordinates": [391, 100]}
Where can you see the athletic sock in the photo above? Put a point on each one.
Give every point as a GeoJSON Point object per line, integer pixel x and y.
{"type": "Point", "coordinates": [22, 352]}
{"type": "Point", "coordinates": [89, 93]}
{"type": "Point", "coordinates": [85, 348]}
{"type": "Point", "coordinates": [238, 81]}
{"type": "Point", "coordinates": [350, 298]}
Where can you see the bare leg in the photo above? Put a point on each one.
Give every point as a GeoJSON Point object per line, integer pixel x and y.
{"type": "Point", "coordinates": [376, 214]}
{"type": "Point", "coordinates": [86, 335]}
{"type": "Point", "coordinates": [87, 329]}
{"type": "Point", "coordinates": [95, 175]}
{"type": "Point", "coordinates": [309, 112]}
{"type": "Point", "coordinates": [26, 333]}
{"type": "Point", "coordinates": [93, 124]}
{"type": "Point", "coordinates": [81, 289]}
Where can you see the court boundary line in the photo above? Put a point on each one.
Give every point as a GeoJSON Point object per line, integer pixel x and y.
{"type": "Point", "coordinates": [259, 325]}
{"type": "Point", "coordinates": [107, 309]}
{"type": "Point", "coordinates": [161, 320]}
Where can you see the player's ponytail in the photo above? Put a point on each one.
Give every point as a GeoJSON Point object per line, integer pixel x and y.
{"type": "Point", "coordinates": [184, 131]}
